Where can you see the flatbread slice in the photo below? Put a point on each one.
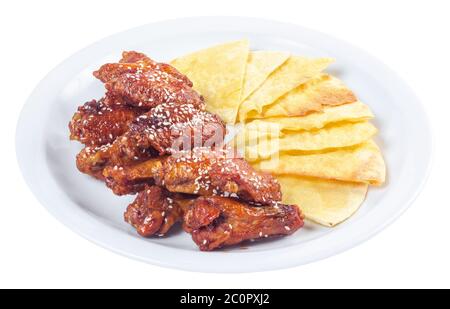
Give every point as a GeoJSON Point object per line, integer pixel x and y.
{"type": "Point", "coordinates": [362, 163]}
{"type": "Point", "coordinates": [218, 74]}
{"type": "Point", "coordinates": [267, 143]}
{"type": "Point", "coordinates": [294, 72]}
{"type": "Point", "coordinates": [352, 112]}
{"type": "Point", "coordinates": [326, 202]}
{"type": "Point", "coordinates": [259, 66]}
{"type": "Point", "coordinates": [312, 96]}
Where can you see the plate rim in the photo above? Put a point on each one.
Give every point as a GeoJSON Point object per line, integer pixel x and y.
{"type": "Point", "coordinates": [108, 242]}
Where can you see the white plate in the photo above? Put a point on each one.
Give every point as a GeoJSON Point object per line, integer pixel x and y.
{"type": "Point", "coordinates": [47, 157]}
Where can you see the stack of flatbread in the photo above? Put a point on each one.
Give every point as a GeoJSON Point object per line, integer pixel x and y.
{"type": "Point", "coordinates": [297, 122]}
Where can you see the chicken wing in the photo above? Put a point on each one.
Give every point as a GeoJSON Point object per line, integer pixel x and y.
{"type": "Point", "coordinates": [165, 129]}
{"type": "Point", "coordinates": [98, 123]}
{"type": "Point", "coordinates": [201, 171]}
{"type": "Point", "coordinates": [155, 210]}
{"type": "Point", "coordinates": [146, 83]}
{"type": "Point", "coordinates": [132, 62]}
{"type": "Point", "coordinates": [216, 222]}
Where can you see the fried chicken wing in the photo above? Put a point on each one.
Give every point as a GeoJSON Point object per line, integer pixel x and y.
{"type": "Point", "coordinates": [165, 129]}
{"type": "Point", "coordinates": [149, 89]}
{"type": "Point", "coordinates": [145, 83]}
{"type": "Point", "coordinates": [216, 222]}
{"type": "Point", "coordinates": [92, 160]}
{"type": "Point", "coordinates": [98, 123]}
{"type": "Point", "coordinates": [132, 62]}
{"type": "Point", "coordinates": [171, 127]}
{"type": "Point", "coordinates": [155, 210]}
{"type": "Point", "coordinates": [201, 171]}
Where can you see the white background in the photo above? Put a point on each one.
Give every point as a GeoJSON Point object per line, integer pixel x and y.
{"type": "Point", "coordinates": [412, 37]}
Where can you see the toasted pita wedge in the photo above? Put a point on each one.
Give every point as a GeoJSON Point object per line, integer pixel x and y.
{"type": "Point", "coordinates": [218, 74]}
{"type": "Point", "coordinates": [312, 96]}
{"type": "Point", "coordinates": [361, 163]}
{"type": "Point", "coordinates": [267, 143]}
{"type": "Point", "coordinates": [326, 202]}
{"type": "Point", "coordinates": [259, 66]}
{"type": "Point", "coordinates": [353, 112]}
{"type": "Point", "coordinates": [294, 72]}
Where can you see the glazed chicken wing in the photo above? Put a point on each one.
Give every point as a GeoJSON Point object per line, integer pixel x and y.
{"type": "Point", "coordinates": [156, 132]}
{"type": "Point", "coordinates": [201, 171]}
{"type": "Point", "coordinates": [146, 83]}
{"type": "Point", "coordinates": [155, 210]}
{"type": "Point", "coordinates": [171, 127]}
{"type": "Point", "coordinates": [99, 122]}
{"type": "Point", "coordinates": [132, 62]}
{"type": "Point", "coordinates": [215, 222]}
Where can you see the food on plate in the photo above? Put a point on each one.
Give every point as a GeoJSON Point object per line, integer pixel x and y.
{"type": "Point", "coordinates": [259, 66]}
{"type": "Point", "coordinates": [361, 163]}
{"type": "Point", "coordinates": [326, 202]}
{"type": "Point", "coordinates": [304, 146]}
{"type": "Point", "coordinates": [294, 72]}
{"type": "Point", "coordinates": [218, 74]}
